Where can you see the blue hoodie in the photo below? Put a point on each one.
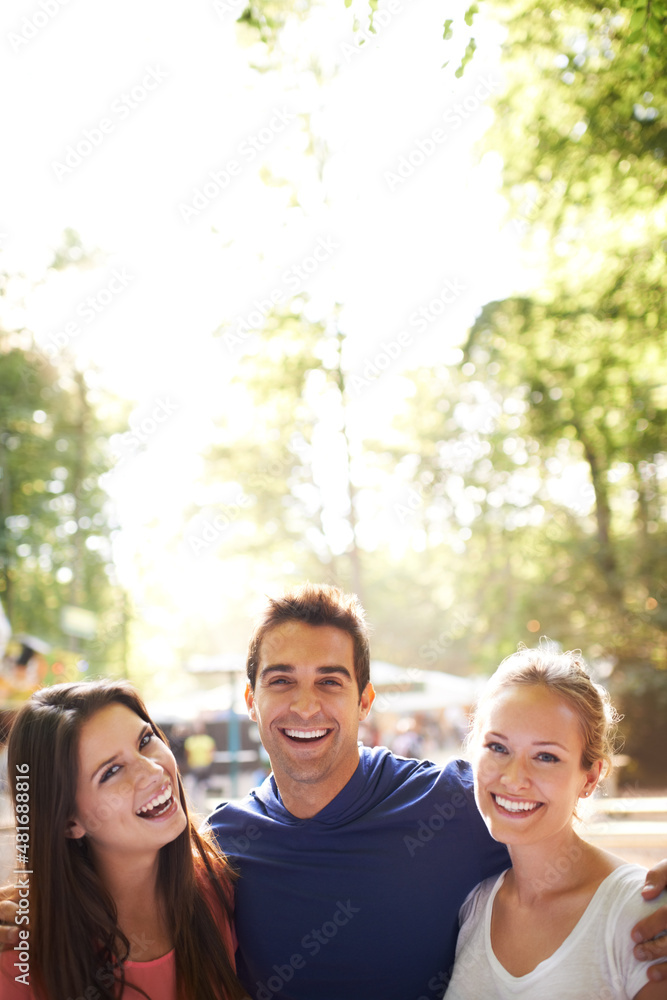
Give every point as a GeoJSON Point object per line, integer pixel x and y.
{"type": "Point", "coordinates": [361, 901]}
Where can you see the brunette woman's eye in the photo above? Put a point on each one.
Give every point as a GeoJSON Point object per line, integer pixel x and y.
{"type": "Point", "coordinates": [110, 771]}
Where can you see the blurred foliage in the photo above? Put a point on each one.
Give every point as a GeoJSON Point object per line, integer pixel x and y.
{"type": "Point", "coordinates": [533, 476]}
{"type": "Point", "coordinates": [633, 30]}
{"type": "Point", "coordinates": [642, 693]}
{"type": "Point", "coordinates": [293, 399]}
{"type": "Point", "coordinates": [55, 518]}
{"type": "Point", "coordinates": [569, 383]}
{"type": "Point", "coordinates": [582, 131]}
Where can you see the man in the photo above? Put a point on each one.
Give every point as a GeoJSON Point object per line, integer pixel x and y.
{"type": "Point", "coordinates": [353, 863]}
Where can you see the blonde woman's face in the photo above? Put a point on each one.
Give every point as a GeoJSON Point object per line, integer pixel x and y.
{"type": "Point", "coordinates": [527, 762]}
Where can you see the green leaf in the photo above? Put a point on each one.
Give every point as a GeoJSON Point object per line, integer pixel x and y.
{"type": "Point", "coordinates": [654, 31]}
{"type": "Point", "coordinates": [470, 13]}
{"type": "Point", "coordinates": [637, 20]}
{"type": "Point", "coordinates": [447, 34]}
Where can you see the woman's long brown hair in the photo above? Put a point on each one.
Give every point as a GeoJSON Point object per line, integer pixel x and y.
{"type": "Point", "coordinates": [75, 940]}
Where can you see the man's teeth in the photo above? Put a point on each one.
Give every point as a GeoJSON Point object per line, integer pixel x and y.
{"type": "Point", "coordinates": [309, 734]}
{"type": "Point", "coordinates": [159, 800]}
{"type": "Point", "coordinates": [516, 807]}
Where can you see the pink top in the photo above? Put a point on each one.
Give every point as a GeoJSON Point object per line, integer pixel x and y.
{"type": "Point", "coordinates": [157, 978]}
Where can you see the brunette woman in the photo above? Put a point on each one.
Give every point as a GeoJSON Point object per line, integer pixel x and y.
{"type": "Point", "coordinates": [124, 897]}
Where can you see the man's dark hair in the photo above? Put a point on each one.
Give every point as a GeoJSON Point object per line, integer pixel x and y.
{"type": "Point", "coordinates": [315, 604]}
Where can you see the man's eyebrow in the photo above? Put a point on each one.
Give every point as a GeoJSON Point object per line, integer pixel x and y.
{"type": "Point", "coordinates": [288, 668]}
{"type": "Point", "coordinates": [335, 669]}
{"type": "Point", "coordinates": [275, 668]}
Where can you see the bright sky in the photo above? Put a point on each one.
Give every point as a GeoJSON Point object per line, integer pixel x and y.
{"type": "Point", "coordinates": [118, 116]}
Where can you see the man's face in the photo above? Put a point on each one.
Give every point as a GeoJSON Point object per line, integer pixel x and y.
{"type": "Point", "coordinates": [307, 707]}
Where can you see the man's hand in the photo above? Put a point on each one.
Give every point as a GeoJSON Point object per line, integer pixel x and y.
{"type": "Point", "coordinates": [9, 932]}
{"type": "Point", "coordinates": [653, 927]}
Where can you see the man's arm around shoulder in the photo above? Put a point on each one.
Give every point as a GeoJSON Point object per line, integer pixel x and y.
{"type": "Point", "coordinates": [650, 934]}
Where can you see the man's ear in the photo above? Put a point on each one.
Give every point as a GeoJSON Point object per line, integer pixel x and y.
{"type": "Point", "coordinates": [74, 830]}
{"type": "Point", "coordinates": [250, 702]}
{"type": "Point", "coordinates": [366, 700]}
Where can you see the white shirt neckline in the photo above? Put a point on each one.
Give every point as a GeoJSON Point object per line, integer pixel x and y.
{"type": "Point", "coordinates": [588, 917]}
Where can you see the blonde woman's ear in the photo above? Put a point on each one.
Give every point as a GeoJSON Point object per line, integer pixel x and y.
{"type": "Point", "coordinates": [592, 778]}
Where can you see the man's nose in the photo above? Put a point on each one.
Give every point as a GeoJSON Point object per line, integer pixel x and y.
{"type": "Point", "coordinates": [305, 702]}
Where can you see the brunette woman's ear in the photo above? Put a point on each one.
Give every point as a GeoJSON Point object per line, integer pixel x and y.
{"type": "Point", "coordinates": [74, 829]}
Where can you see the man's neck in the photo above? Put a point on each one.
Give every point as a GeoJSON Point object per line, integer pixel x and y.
{"type": "Point", "coordinates": [306, 799]}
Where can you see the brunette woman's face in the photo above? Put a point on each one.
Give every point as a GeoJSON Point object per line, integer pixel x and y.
{"type": "Point", "coordinates": [127, 800]}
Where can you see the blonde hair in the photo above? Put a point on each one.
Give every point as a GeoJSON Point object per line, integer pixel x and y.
{"type": "Point", "coordinates": [566, 675]}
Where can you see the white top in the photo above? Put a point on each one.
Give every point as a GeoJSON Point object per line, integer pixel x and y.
{"type": "Point", "coordinates": [595, 960]}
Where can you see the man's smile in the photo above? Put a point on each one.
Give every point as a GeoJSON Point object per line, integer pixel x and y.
{"type": "Point", "coordinates": [305, 734]}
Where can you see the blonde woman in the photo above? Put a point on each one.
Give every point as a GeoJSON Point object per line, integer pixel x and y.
{"type": "Point", "coordinates": [558, 922]}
